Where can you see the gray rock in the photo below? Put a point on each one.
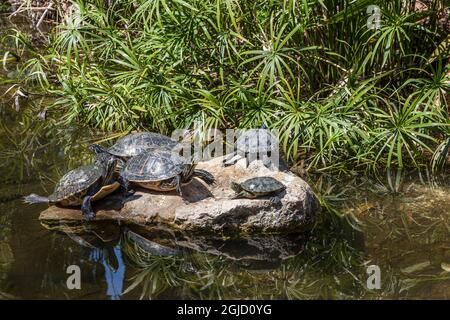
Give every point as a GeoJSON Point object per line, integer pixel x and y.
{"type": "Point", "coordinates": [209, 209]}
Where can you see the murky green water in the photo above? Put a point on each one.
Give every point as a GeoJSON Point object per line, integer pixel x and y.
{"type": "Point", "coordinates": [404, 229]}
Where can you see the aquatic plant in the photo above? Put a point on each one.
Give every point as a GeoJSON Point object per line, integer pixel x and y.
{"type": "Point", "coordinates": [199, 275]}
{"type": "Point", "coordinates": [36, 151]}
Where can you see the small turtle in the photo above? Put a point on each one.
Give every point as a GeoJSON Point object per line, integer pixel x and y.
{"type": "Point", "coordinates": [252, 143]}
{"type": "Point", "coordinates": [257, 187]}
{"type": "Point", "coordinates": [136, 143]}
{"type": "Point", "coordinates": [162, 170]}
{"type": "Point", "coordinates": [82, 185]}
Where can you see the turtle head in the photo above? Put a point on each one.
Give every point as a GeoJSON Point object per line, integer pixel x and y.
{"type": "Point", "coordinates": [97, 149]}
{"type": "Point", "coordinates": [236, 187]}
{"type": "Point", "coordinates": [104, 157]}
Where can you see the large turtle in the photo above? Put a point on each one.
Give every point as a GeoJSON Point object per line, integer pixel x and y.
{"type": "Point", "coordinates": [258, 187]}
{"type": "Point", "coordinates": [162, 170]}
{"type": "Point", "coordinates": [136, 143]}
{"type": "Point", "coordinates": [84, 184]}
{"type": "Point", "coordinates": [253, 143]}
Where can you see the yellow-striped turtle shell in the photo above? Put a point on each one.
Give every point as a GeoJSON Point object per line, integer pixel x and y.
{"type": "Point", "coordinates": [75, 184]}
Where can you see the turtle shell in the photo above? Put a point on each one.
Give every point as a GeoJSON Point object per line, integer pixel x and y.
{"type": "Point", "coordinates": [154, 165]}
{"type": "Point", "coordinates": [136, 143]}
{"type": "Point", "coordinates": [262, 185]}
{"type": "Point", "coordinates": [256, 140]}
{"type": "Point", "coordinates": [75, 184]}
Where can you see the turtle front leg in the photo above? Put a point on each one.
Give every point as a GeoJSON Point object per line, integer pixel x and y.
{"type": "Point", "coordinates": [177, 181]}
{"type": "Point", "coordinates": [275, 200]}
{"type": "Point", "coordinates": [86, 209]}
{"type": "Point", "coordinates": [244, 194]}
{"type": "Point", "coordinates": [125, 186]}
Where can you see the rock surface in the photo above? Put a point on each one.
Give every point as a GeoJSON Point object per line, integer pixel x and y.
{"type": "Point", "coordinates": [208, 208]}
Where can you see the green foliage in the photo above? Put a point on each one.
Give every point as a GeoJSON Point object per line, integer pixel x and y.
{"type": "Point", "coordinates": [4, 7]}
{"type": "Point", "coordinates": [340, 94]}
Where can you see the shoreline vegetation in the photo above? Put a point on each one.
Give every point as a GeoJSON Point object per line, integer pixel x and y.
{"type": "Point", "coordinates": [345, 93]}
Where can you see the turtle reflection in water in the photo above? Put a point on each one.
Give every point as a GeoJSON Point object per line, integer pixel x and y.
{"type": "Point", "coordinates": [258, 187]}
{"type": "Point", "coordinates": [82, 185]}
{"type": "Point", "coordinates": [149, 246]}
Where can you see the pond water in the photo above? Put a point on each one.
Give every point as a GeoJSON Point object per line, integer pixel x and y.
{"type": "Point", "coordinates": [399, 222]}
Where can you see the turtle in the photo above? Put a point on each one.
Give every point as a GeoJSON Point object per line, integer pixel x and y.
{"type": "Point", "coordinates": [82, 185]}
{"type": "Point", "coordinates": [162, 170]}
{"type": "Point", "coordinates": [136, 143]}
{"type": "Point", "coordinates": [258, 187]}
{"type": "Point", "coordinates": [252, 143]}
{"type": "Point", "coordinates": [149, 246]}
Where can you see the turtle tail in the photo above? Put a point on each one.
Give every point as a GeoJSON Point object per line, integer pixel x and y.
{"type": "Point", "coordinates": [34, 198]}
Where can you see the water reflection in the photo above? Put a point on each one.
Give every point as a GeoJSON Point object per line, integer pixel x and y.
{"type": "Point", "coordinates": [399, 221]}
{"type": "Point", "coordinates": [156, 263]}
{"type": "Point", "coordinates": [114, 272]}
{"type": "Point", "coordinates": [404, 230]}
{"type": "Point", "coordinates": [405, 219]}
{"type": "Point", "coordinates": [6, 252]}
